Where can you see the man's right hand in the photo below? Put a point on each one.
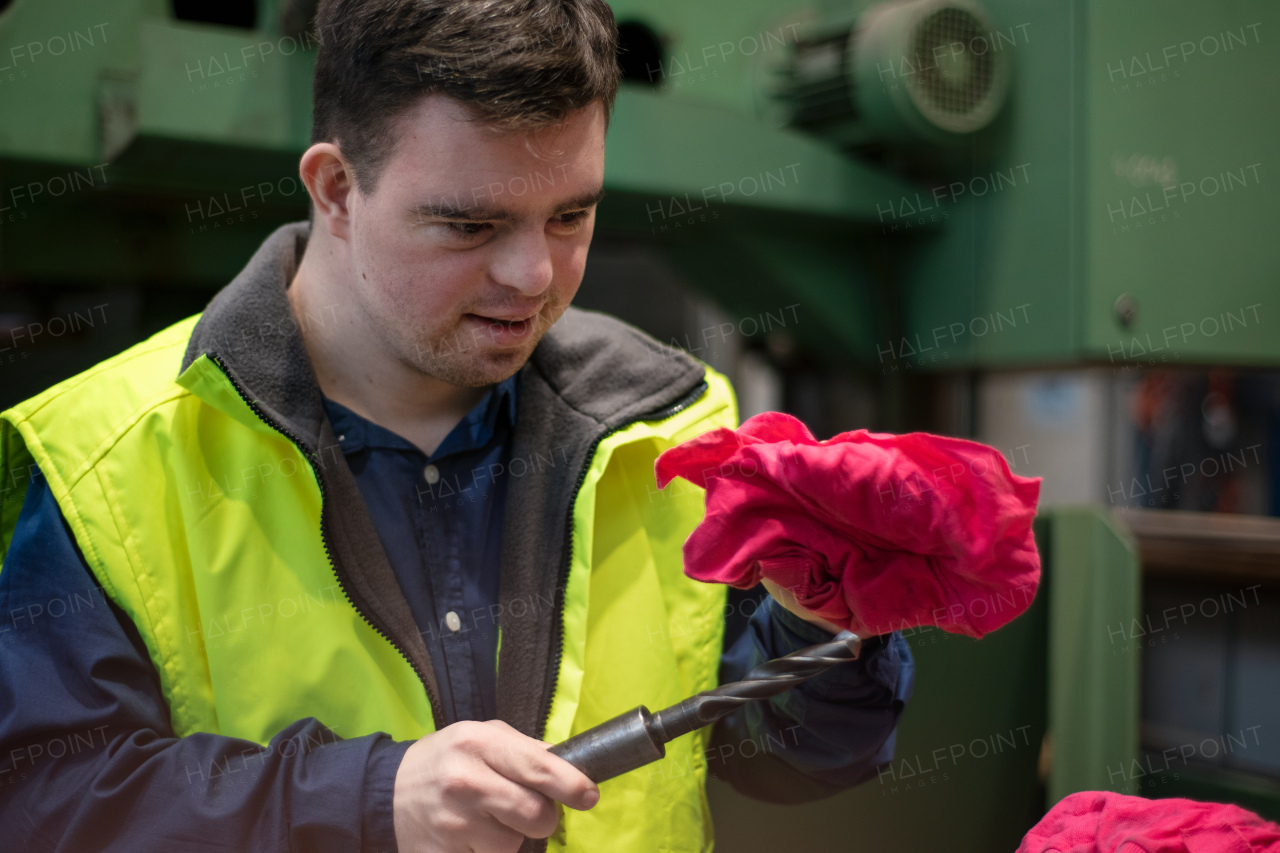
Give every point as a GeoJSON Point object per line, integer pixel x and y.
{"type": "Point", "coordinates": [482, 787]}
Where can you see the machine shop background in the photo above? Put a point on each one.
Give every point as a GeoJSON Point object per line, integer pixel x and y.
{"type": "Point", "coordinates": [1047, 225]}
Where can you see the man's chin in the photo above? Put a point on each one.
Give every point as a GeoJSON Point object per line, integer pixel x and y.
{"type": "Point", "coordinates": [473, 355]}
{"type": "Point", "coordinates": [476, 369]}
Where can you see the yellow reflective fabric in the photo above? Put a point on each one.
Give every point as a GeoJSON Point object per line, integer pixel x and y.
{"type": "Point", "coordinates": [203, 524]}
{"type": "Point", "coordinates": [638, 632]}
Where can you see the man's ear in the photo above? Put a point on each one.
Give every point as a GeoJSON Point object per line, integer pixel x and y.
{"type": "Point", "coordinates": [330, 182]}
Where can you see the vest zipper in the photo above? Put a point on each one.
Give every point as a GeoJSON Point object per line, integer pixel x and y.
{"type": "Point", "coordinates": [553, 671]}
{"type": "Point", "coordinates": [347, 590]}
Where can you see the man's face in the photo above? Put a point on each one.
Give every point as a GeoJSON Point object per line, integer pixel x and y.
{"type": "Point", "coordinates": [473, 244]}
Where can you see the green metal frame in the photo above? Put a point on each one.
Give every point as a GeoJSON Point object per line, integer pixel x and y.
{"type": "Point", "coordinates": [1094, 585]}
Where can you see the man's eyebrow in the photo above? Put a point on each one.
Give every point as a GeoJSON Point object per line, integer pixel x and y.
{"type": "Point", "coordinates": [582, 201]}
{"type": "Point", "coordinates": [447, 208]}
{"type": "Point", "coordinates": [453, 209]}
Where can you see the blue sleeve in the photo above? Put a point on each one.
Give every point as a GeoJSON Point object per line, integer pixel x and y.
{"type": "Point", "coordinates": [89, 760]}
{"type": "Point", "coordinates": [827, 734]}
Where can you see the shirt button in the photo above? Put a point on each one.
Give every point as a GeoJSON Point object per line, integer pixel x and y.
{"type": "Point", "coordinates": [432, 475]}
{"type": "Point", "coordinates": [451, 619]}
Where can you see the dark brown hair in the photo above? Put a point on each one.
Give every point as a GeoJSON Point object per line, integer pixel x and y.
{"type": "Point", "coordinates": [518, 64]}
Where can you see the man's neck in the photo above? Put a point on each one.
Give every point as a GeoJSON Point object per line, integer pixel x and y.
{"type": "Point", "coordinates": [355, 368]}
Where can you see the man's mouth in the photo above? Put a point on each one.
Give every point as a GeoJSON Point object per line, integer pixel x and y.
{"type": "Point", "coordinates": [508, 331]}
{"type": "Point", "coordinates": [512, 321]}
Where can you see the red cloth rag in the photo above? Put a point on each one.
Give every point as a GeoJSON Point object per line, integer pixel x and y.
{"type": "Point", "coordinates": [871, 531]}
{"type": "Point", "coordinates": [1104, 822]}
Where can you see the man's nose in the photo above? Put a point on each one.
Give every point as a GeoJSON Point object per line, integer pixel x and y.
{"type": "Point", "coordinates": [524, 262]}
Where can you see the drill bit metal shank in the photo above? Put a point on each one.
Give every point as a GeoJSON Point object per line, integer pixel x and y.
{"type": "Point", "coordinates": [638, 737]}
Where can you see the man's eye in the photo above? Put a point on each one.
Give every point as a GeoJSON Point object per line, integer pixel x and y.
{"type": "Point", "coordinates": [571, 218]}
{"type": "Point", "coordinates": [467, 229]}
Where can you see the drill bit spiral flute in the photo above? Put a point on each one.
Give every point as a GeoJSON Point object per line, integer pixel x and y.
{"type": "Point", "coordinates": [638, 737]}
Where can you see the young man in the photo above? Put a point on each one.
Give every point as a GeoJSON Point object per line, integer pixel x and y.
{"type": "Point", "coordinates": [323, 567]}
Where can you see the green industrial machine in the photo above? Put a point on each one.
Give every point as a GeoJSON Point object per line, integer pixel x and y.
{"type": "Point", "coordinates": [1011, 184]}
{"type": "Point", "coordinates": [188, 134]}
{"type": "Point", "coordinates": [1108, 212]}
{"type": "Point", "coordinates": [940, 187]}
{"type": "Point", "coordinates": [1137, 237]}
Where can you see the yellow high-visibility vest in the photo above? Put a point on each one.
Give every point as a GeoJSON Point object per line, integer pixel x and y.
{"type": "Point", "coordinates": [202, 521]}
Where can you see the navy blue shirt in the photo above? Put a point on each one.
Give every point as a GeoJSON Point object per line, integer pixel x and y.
{"type": "Point", "coordinates": [439, 519]}
{"type": "Point", "coordinates": [89, 759]}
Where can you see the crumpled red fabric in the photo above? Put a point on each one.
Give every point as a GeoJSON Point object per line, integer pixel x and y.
{"type": "Point", "coordinates": [1106, 822]}
{"type": "Point", "coordinates": [871, 531]}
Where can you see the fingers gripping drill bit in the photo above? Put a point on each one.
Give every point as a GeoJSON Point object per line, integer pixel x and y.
{"type": "Point", "coordinates": [638, 737]}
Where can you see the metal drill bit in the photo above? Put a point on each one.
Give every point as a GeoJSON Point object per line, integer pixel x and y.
{"type": "Point", "coordinates": [638, 737]}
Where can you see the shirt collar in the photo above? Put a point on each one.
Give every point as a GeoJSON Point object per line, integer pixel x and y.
{"type": "Point", "coordinates": [496, 408]}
